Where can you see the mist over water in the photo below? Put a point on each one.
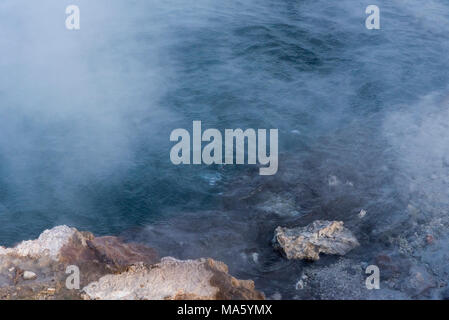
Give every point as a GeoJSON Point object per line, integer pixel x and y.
{"type": "Point", "coordinates": [85, 119]}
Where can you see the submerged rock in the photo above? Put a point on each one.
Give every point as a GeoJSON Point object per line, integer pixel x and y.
{"type": "Point", "coordinates": [341, 280]}
{"type": "Point", "coordinates": [172, 279]}
{"type": "Point", "coordinates": [419, 282]}
{"type": "Point", "coordinates": [281, 204]}
{"type": "Point", "coordinates": [329, 237]}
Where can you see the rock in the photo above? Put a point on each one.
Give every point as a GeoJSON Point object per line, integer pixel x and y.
{"type": "Point", "coordinates": [435, 257]}
{"type": "Point", "coordinates": [329, 237]}
{"type": "Point", "coordinates": [99, 256]}
{"type": "Point", "coordinates": [29, 275]}
{"type": "Point", "coordinates": [57, 248]}
{"type": "Point", "coordinates": [48, 244]}
{"type": "Point", "coordinates": [392, 265]}
{"type": "Point", "coordinates": [283, 204]}
{"type": "Point", "coordinates": [387, 265]}
{"type": "Point", "coordinates": [113, 251]}
{"type": "Point", "coordinates": [173, 279]}
{"type": "Point", "coordinates": [344, 279]}
{"type": "Point", "coordinates": [429, 239]}
{"type": "Point", "coordinates": [419, 282]}
{"type": "Point", "coordinates": [110, 269]}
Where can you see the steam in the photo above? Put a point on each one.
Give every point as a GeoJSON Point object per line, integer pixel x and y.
{"type": "Point", "coordinates": [73, 103]}
{"type": "Point", "coordinates": [419, 135]}
{"type": "Point", "coordinates": [80, 110]}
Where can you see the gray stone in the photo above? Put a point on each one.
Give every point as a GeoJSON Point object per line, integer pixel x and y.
{"type": "Point", "coordinates": [329, 237]}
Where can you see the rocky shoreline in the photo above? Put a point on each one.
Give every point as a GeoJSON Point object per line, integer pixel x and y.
{"type": "Point", "coordinates": [64, 263]}
{"type": "Point", "coordinates": [110, 269]}
{"type": "Point", "coordinates": [107, 268]}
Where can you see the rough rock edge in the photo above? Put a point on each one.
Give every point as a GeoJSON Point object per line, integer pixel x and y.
{"type": "Point", "coordinates": [109, 257]}
{"type": "Point", "coordinates": [172, 279]}
{"type": "Point", "coordinates": [48, 244]}
{"type": "Point", "coordinates": [321, 236]}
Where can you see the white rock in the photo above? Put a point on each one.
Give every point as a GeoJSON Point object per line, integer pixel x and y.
{"type": "Point", "coordinates": [48, 244]}
{"type": "Point", "coordinates": [169, 278]}
{"type": "Point", "coordinates": [29, 275]}
{"type": "Point", "coordinates": [4, 250]}
{"type": "Point", "coordinates": [172, 279]}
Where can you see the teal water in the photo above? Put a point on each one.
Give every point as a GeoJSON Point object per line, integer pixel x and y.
{"type": "Point", "coordinates": [85, 118]}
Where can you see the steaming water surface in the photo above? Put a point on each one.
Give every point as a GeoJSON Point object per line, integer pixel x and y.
{"type": "Point", "coordinates": [85, 119]}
